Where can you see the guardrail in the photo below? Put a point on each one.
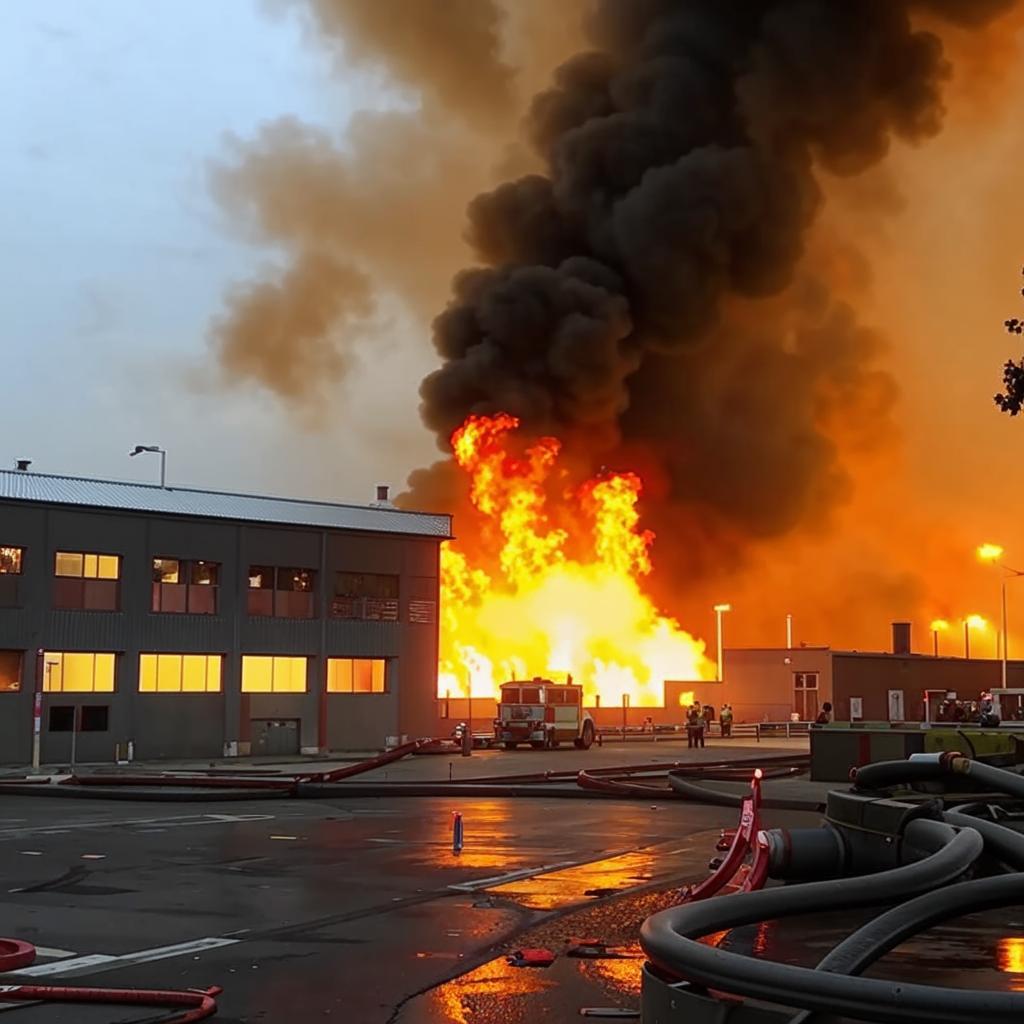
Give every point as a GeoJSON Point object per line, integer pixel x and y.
{"type": "Point", "coordinates": [757, 730]}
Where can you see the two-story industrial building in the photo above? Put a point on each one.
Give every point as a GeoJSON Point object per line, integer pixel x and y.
{"type": "Point", "coordinates": [194, 623]}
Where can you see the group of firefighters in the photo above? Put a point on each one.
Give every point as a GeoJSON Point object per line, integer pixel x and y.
{"type": "Point", "coordinates": [699, 719]}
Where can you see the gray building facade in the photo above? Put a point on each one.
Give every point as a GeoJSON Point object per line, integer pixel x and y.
{"type": "Point", "coordinates": [200, 624]}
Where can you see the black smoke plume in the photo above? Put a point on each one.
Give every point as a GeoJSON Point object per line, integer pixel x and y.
{"type": "Point", "coordinates": [618, 290]}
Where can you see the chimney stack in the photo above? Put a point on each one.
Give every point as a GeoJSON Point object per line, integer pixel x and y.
{"type": "Point", "coordinates": [383, 499]}
{"type": "Point", "coordinates": [21, 465]}
{"type": "Point", "coordinates": [382, 492]}
{"type": "Point", "coordinates": [901, 638]}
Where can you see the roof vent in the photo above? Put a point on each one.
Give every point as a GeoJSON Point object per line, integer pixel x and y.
{"type": "Point", "coordinates": [21, 465]}
{"type": "Point", "coordinates": [383, 499]}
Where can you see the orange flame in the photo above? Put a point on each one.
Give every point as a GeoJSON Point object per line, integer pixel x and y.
{"type": "Point", "coordinates": [545, 612]}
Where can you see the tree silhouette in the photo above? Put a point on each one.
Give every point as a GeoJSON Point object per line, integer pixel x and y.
{"type": "Point", "coordinates": [1011, 399]}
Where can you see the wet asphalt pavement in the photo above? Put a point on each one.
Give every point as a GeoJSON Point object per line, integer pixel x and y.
{"type": "Point", "coordinates": [310, 910]}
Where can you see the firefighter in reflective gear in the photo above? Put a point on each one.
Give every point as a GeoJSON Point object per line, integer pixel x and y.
{"type": "Point", "coordinates": [725, 719]}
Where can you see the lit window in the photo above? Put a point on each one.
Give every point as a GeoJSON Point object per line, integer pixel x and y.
{"type": "Point", "coordinates": [286, 593]}
{"type": "Point", "coordinates": [10, 671]}
{"type": "Point", "coordinates": [356, 675]}
{"type": "Point", "coordinates": [185, 586]}
{"type": "Point", "coordinates": [179, 673]}
{"type": "Point", "coordinates": [10, 561]}
{"type": "Point", "coordinates": [78, 672]}
{"type": "Point", "coordinates": [87, 566]}
{"type": "Point", "coordinates": [264, 674]}
{"type": "Point", "coordinates": [166, 570]}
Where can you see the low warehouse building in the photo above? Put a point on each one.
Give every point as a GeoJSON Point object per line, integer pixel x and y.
{"type": "Point", "coordinates": [771, 684]}
{"type": "Point", "coordinates": [197, 623]}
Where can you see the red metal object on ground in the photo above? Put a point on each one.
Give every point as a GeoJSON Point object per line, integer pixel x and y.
{"type": "Point", "coordinates": [532, 958]}
{"type": "Point", "coordinates": [742, 843]}
{"type": "Point", "coordinates": [286, 784]}
{"type": "Point", "coordinates": [14, 955]}
{"type": "Point", "coordinates": [196, 1004]}
{"type": "Point", "coordinates": [757, 874]}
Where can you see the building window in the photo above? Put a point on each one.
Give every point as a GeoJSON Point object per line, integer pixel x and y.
{"type": "Point", "coordinates": [87, 582]}
{"type": "Point", "coordinates": [62, 718]}
{"type": "Point", "coordinates": [78, 672]}
{"type": "Point", "coordinates": [264, 674]}
{"type": "Point", "coordinates": [10, 671]}
{"type": "Point", "coordinates": [179, 673]}
{"type": "Point", "coordinates": [286, 593]}
{"type": "Point", "coordinates": [180, 586]}
{"type": "Point", "coordinates": [356, 675]}
{"type": "Point", "coordinates": [10, 561]}
{"type": "Point", "coordinates": [805, 695]}
{"type": "Point", "coordinates": [94, 718]}
{"type": "Point", "coordinates": [365, 595]}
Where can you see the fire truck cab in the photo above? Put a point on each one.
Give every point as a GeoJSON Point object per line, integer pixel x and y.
{"type": "Point", "coordinates": [544, 714]}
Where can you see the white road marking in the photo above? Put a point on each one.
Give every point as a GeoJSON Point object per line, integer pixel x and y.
{"type": "Point", "coordinates": [31, 853]}
{"type": "Point", "coordinates": [84, 964]}
{"type": "Point", "coordinates": [175, 821]}
{"type": "Point", "coordinates": [54, 954]}
{"type": "Point", "coordinates": [94, 856]}
{"type": "Point", "coordinates": [513, 876]}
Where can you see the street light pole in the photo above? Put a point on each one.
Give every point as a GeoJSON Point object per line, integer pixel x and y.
{"type": "Point", "coordinates": [720, 610]}
{"type": "Point", "coordinates": [156, 450]}
{"type": "Point", "coordinates": [1004, 633]}
{"type": "Point", "coordinates": [967, 640]}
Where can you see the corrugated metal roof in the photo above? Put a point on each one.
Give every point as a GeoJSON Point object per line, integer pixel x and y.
{"type": "Point", "coordinates": [185, 501]}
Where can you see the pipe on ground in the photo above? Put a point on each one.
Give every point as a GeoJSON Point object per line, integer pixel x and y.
{"type": "Point", "coordinates": [669, 939]}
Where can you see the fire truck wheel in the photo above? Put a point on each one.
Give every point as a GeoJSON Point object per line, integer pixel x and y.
{"type": "Point", "coordinates": [538, 744]}
{"type": "Point", "coordinates": [585, 741]}
{"type": "Point", "coordinates": [511, 746]}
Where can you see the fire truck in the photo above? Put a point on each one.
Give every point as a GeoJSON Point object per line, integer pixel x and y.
{"type": "Point", "coordinates": [544, 714]}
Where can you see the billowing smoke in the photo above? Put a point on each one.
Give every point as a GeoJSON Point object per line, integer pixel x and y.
{"type": "Point", "coordinates": [623, 293]}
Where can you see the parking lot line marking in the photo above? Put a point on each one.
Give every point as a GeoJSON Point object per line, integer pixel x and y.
{"type": "Point", "coordinates": [31, 853]}
{"type": "Point", "coordinates": [172, 821]}
{"type": "Point", "coordinates": [64, 966]}
{"type": "Point", "coordinates": [85, 964]}
{"type": "Point", "coordinates": [513, 876]}
{"type": "Point", "coordinates": [94, 856]}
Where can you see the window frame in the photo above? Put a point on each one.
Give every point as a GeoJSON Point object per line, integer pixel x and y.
{"type": "Point", "coordinates": [385, 676]}
{"type": "Point", "coordinates": [273, 658]}
{"type": "Point", "coordinates": [21, 668]}
{"type": "Point", "coordinates": [84, 555]}
{"type": "Point", "coordinates": [47, 686]}
{"type": "Point", "coordinates": [210, 658]}
{"type": "Point", "coordinates": [184, 587]}
{"type": "Point", "coordinates": [21, 559]}
{"type": "Point", "coordinates": [282, 601]}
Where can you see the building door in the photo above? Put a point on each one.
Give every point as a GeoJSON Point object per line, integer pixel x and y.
{"type": "Point", "coordinates": [805, 695]}
{"type": "Point", "coordinates": [896, 706]}
{"type": "Point", "coordinates": [274, 737]}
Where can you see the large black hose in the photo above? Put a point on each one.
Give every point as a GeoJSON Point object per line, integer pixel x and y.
{"type": "Point", "coordinates": [669, 939]}
{"type": "Point", "coordinates": [706, 795]}
{"type": "Point", "coordinates": [1002, 842]}
{"type": "Point", "coordinates": [885, 774]}
{"type": "Point", "coordinates": [884, 933]}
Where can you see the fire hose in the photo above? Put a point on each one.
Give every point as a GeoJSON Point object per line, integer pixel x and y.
{"type": "Point", "coordinates": [669, 939]}
{"type": "Point", "coordinates": [939, 856]}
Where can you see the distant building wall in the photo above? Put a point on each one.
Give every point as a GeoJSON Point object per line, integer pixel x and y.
{"type": "Point", "coordinates": [403, 632]}
{"type": "Point", "coordinates": [760, 683]}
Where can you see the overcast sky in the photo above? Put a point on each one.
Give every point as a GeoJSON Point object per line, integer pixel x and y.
{"type": "Point", "coordinates": [114, 258]}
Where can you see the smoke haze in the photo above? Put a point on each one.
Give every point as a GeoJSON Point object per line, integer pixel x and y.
{"type": "Point", "coordinates": [671, 261]}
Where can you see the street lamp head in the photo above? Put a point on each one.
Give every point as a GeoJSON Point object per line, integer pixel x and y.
{"type": "Point", "coordinates": [723, 608]}
{"type": "Point", "coordinates": [938, 625]}
{"type": "Point", "coordinates": [975, 622]}
{"type": "Point", "coordinates": [140, 448]}
{"type": "Point", "coordinates": [990, 552]}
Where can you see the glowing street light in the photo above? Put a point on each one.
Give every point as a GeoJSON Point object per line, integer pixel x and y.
{"type": "Point", "coordinates": [720, 610]}
{"type": "Point", "coordinates": [992, 553]}
{"type": "Point", "coordinates": [972, 622]}
{"type": "Point", "coordinates": [938, 626]}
